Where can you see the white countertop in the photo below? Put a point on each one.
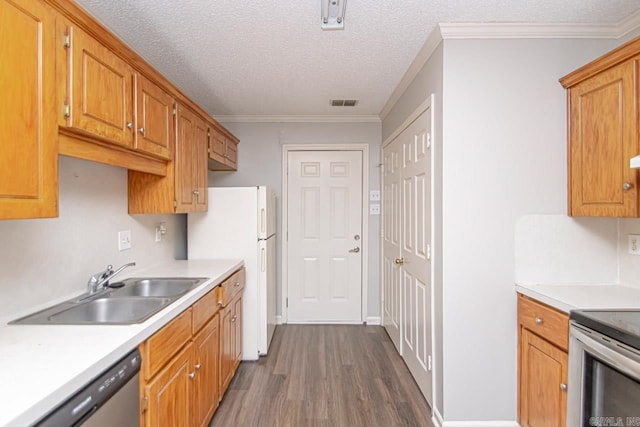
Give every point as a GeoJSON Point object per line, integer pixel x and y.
{"type": "Point", "coordinates": [42, 365]}
{"type": "Point", "coordinates": [569, 297]}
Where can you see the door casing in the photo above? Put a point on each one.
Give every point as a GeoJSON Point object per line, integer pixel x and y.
{"type": "Point", "coordinates": [364, 148]}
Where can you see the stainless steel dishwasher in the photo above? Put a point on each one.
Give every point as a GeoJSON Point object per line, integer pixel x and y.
{"type": "Point", "coordinates": [111, 399]}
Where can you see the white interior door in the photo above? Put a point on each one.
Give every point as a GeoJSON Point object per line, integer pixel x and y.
{"type": "Point", "coordinates": [391, 240]}
{"type": "Point", "coordinates": [324, 193]}
{"type": "Point", "coordinates": [407, 269]}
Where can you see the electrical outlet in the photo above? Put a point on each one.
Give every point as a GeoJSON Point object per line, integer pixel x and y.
{"type": "Point", "coordinates": [634, 244]}
{"type": "Point", "coordinates": [374, 195]}
{"type": "Point", "coordinates": [374, 209]}
{"type": "Point", "coordinates": [124, 240]}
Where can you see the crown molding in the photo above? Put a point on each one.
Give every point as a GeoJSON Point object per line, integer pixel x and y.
{"type": "Point", "coordinates": [297, 119]}
{"type": "Point", "coordinates": [430, 45]}
{"type": "Point", "coordinates": [527, 31]}
{"type": "Point", "coordinates": [504, 31]}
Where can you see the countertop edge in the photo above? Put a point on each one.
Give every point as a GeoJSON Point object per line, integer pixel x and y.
{"type": "Point", "coordinates": [546, 299]}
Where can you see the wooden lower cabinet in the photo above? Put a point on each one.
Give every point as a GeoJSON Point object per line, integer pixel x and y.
{"type": "Point", "coordinates": [543, 365]}
{"type": "Point", "coordinates": [169, 396]}
{"type": "Point", "coordinates": [186, 363]}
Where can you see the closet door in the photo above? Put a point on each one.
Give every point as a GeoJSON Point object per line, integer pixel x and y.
{"type": "Point", "coordinates": [407, 232]}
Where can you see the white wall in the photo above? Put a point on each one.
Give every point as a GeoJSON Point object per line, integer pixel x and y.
{"type": "Point", "coordinates": [46, 259]}
{"type": "Point", "coordinates": [504, 157]}
{"type": "Point", "coordinates": [260, 163]}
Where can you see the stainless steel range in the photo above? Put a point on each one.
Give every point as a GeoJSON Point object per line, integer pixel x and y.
{"type": "Point", "coordinates": [604, 368]}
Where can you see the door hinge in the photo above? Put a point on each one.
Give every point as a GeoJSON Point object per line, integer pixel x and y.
{"type": "Point", "coordinates": [145, 404]}
{"type": "Point", "coordinates": [66, 41]}
{"type": "Point", "coordinates": [175, 204]}
{"type": "Point", "coordinates": [287, 302]}
{"type": "Point", "coordinates": [66, 111]}
{"type": "Point", "coordinates": [428, 251]}
{"type": "Point", "coordinates": [429, 363]}
{"type": "Point", "coordinates": [175, 111]}
{"type": "Point", "coordinates": [428, 140]}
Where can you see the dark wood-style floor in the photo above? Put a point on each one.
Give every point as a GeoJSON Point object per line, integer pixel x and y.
{"type": "Point", "coordinates": [325, 375]}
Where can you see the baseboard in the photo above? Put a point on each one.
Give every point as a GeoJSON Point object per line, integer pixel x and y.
{"type": "Point", "coordinates": [437, 418]}
{"type": "Point", "coordinates": [278, 320]}
{"type": "Point", "coordinates": [480, 424]}
{"type": "Point", "coordinates": [374, 320]}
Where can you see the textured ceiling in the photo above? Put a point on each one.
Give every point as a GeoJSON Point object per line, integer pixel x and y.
{"type": "Point", "coordinates": [247, 57]}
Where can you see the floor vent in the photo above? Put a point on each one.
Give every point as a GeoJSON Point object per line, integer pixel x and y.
{"type": "Point", "coordinates": [344, 102]}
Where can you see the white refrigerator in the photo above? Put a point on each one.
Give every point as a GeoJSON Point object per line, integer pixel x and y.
{"type": "Point", "coordinates": [241, 223]}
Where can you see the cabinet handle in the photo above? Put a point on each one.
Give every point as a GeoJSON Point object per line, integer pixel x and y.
{"type": "Point", "coordinates": [563, 387]}
{"type": "Point", "coordinates": [198, 367]}
{"type": "Point", "coordinates": [141, 130]}
{"type": "Point", "coordinates": [233, 319]}
{"type": "Point", "coordinates": [192, 375]}
{"type": "Point", "coordinates": [130, 125]}
{"type": "Point", "coordinates": [538, 321]}
{"type": "Point", "coordinates": [220, 302]}
{"type": "Point", "coordinates": [627, 186]}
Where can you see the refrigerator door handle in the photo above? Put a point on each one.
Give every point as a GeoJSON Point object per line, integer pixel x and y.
{"type": "Point", "coordinates": [263, 220]}
{"type": "Point", "coordinates": [263, 260]}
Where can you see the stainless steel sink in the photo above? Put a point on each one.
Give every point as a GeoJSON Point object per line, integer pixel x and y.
{"type": "Point", "coordinates": [135, 302]}
{"type": "Point", "coordinates": [158, 287]}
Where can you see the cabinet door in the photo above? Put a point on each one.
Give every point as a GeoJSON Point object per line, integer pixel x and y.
{"type": "Point", "coordinates": [27, 111]}
{"type": "Point", "coordinates": [227, 346]}
{"type": "Point", "coordinates": [199, 165]}
{"type": "Point", "coordinates": [100, 90]}
{"type": "Point", "coordinates": [155, 132]}
{"type": "Point", "coordinates": [183, 158]}
{"type": "Point", "coordinates": [170, 394]}
{"type": "Point", "coordinates": [602, 138]}
{"type": "Point", "coordinates": [543, 369]}
{"type": "Point", "coordinates": [217, 145]}
{"type": "Point", "coordinates": [207, 371]}
{"type": "Point", "coordinates": [231, 155]}
{"type": "Point", "coordinates": [237, 329]}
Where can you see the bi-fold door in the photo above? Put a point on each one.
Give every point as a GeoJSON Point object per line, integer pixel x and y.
{"type": "Point", "coordinates": [406, 244]}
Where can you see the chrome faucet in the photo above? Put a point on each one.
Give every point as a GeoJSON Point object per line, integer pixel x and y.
{"type": "Point", "coordinates": [100, 280]}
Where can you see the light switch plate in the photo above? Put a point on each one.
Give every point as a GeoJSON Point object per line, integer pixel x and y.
{"type": "Point", "coordinates": [124, 240]}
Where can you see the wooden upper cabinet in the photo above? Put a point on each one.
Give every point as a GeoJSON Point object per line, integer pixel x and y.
{"type": "Point", "coordinates": [100, 90]}
{"type": "Point", "coordinates": [223, 151]}
{"type": "Point", "coordinates": [190, 163]}
{"type": "Point", "coordinates": [29, 151]}
{"type": "Point", "coordinates": [603, 135]}
{"type": "Point", "coordinates": [155, 131]}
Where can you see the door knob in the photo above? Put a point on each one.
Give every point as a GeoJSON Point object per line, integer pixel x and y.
{"type": "Point", "coordinates": [354, 250]}
{"type": "Point", "coordinates": [356, 237]}
{"type": "Point", "coordinates": [399, 261]}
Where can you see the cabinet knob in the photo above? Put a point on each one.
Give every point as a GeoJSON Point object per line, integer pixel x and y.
{"type": "Point", "coordinates": [198, 367]}
{"type": "Point", "coordinates": [627, 186]}
{"type": "Point", "coordinates": [563, 387]}
{"type": "Point", "coordinates": [130, 125]}
{"type": "Point", "coordinates": [196, 192]}
{"type": "Point", "coordinates": [233, 319]}
{"type": "Point", "coordinates": [192, 375]}
{"type": "Point", "coordinates": [141, 130]}
{"type": "Point", "coordinates": [236, 284]}
{"type": "Point", "coordinates": [220, 302]}
{"type": "Point", "coordinates": [538, 321]}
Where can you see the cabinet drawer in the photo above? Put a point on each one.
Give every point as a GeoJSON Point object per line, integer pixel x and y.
{"type": "Point", "coordinates": [232, 286]}
{"type": "Point", "coordinates": [205, 308]}
{"type": "Point", "coordinates": [159, 349]}
{"type": "Point", "coordinates": [544, 321]}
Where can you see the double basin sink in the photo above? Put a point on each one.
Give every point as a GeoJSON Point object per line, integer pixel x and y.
{"type": "Point", "coordinates": [134, 301]}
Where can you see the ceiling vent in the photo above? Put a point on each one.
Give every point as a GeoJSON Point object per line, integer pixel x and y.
{"type": "Point", "coordinates": [344, 102]}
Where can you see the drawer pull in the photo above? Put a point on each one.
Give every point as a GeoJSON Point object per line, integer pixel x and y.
{"type": "Point", "coordinates": [538, 321]}
{"type": "Point", "coordinates": [198, 367]}
{"type": "Point", "coordinates": [563, 387]}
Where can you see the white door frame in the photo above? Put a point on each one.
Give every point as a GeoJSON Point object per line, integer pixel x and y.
{"type": "Point", "coordinates": [364, 148]}
{"type": "Point", "coordinates": [429, 103]}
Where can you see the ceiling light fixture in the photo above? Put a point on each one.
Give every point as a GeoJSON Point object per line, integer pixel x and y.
{"type": "Point", "coordinates": [333, 14]}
